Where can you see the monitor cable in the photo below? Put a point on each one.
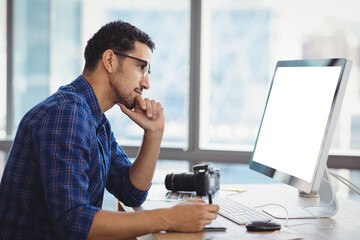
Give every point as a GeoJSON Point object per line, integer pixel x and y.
{"type": "Point", "coordinates": [327, 225]}
{"type": "Point", "coordinates": [346, 182]}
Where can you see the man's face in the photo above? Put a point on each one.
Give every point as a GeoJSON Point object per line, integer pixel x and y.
{"type": "Point", "coordinates": [128, 81]}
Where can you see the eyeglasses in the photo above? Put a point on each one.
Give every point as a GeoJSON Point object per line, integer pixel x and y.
{"type": "Point", "coordinates": [145, 69]}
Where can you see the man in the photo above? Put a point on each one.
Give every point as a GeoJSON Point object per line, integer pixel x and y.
{"type": "Point", "coordinates": [64, 153]}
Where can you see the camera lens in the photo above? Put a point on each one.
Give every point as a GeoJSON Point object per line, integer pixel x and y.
{"type": "Point", "coordinates": [180, 182]}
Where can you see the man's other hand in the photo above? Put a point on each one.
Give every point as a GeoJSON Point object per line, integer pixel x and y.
{"type": "Point", "coordinates": [191, 216]}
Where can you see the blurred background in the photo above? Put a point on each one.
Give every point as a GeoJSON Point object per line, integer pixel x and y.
{"type": "Point", "coordinates": [211, 70]}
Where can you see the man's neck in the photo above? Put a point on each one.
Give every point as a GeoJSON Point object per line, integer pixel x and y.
{"type": "Point", "coordinates": [98, 83]}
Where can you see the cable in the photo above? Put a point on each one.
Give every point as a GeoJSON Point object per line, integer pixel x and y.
{"type": "Point", "coordinates": [330, 225]}
{"type": "Point", "coordinates": [348, 185]}
{"type": "Point", "coordinates": [346, 182]}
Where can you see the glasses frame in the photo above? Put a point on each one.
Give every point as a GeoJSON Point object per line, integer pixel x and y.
{"type": "Point", "coordinates": [147, 64]}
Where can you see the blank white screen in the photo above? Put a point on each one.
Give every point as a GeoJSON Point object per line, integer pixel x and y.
{"type": "Point", "coordinates": [295, 119]}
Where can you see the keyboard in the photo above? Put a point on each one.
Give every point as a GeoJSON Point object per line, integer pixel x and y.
{"type": "Point", "coordinates": [238, 212]}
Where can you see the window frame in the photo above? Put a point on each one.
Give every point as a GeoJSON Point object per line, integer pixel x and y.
{"type": "Point", "coordinates": [9, 66]}
{"type": "Point", "coordinates": [193, 154]}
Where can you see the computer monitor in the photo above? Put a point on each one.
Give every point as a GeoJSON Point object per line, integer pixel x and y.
{"type": "Point", "coordinates": [297, 127]}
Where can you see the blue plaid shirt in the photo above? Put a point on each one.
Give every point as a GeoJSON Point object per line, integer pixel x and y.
{"type": "Point", "coordinates": [63, 156]}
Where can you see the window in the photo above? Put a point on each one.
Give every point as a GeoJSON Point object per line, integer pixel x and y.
{"type": "Point", "coordinates": [168, 24]}
{"type": "Point", "coordinates": [43, 30]}
{"type": "Point", "coordinates": [235, 71]}
{"type": "Point", "coordinates": [211, 68]}
{"type": "Point", "coordinates": [30, 55]}
{"type": "Point", "coordinates": [241, 42]}
{"type": "Point", "coordinates": [65, 33]}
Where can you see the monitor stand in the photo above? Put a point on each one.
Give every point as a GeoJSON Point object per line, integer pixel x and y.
{"type": "Point", "coordinates": [326, 207]}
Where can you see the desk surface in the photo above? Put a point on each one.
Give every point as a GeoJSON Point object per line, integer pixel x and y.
{"type": "Point", "coordinates": [346, 221]}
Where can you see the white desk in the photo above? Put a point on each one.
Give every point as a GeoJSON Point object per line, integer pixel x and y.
{"type": "Point", "coordinates": [346, 222]}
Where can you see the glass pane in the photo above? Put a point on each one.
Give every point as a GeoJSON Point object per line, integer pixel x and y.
{"type": "Point", "coordinates": [241, 43]}
{"type": "Point", "coordinates": [164, 167]}
{"type": "Point", "coordinates": [65, 33]}
{"type": "Point", "coordinates": [3, 68]}
{"type": "Point", "coordinates": [43, 30]}
{"type": "Point", "coordinates": [235, 173]}
{"type": "Point", "coordinates": [31, 55]}
{"type": "Point", "coordinates": [168, 24]}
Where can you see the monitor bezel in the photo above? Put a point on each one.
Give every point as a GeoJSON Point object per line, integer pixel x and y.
{"type": "Point", "coordinates": [313, 186]}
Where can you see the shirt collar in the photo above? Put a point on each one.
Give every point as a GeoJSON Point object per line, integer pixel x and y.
{"type": "Point", "coordinates": [86, 90]}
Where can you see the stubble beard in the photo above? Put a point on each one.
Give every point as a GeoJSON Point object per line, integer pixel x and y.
{"type": "Point", "coordinates": [120, 97]}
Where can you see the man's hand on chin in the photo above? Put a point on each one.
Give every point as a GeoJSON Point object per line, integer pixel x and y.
{"type": "Point", "coordinates": [148, 114]}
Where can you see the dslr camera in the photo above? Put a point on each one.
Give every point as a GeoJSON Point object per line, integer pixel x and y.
{"type": "Point", "coordinates": [204, 180]}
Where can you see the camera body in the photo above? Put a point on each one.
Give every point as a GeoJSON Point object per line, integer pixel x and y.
{"type": "Point", "coordinates": [204, 180]}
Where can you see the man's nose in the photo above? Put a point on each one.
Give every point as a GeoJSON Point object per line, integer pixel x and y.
{"type": "Point", "coordinates": [145, 82]}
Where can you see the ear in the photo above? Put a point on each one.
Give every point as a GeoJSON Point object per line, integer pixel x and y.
{"type": "Point", "coordinates": [108, 60]}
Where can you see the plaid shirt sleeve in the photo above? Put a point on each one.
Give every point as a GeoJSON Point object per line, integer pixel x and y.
{"type": "Point", "coordinates": [65, 147]}
{"type": "Point", "coordinates": [119, 183]}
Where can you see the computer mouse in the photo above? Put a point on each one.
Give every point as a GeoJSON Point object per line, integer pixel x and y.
{"type": "Point", "coordinates": [258, 226]}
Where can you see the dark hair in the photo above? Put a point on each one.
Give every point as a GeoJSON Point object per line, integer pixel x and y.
{"type": "Point", "coordinates": [119, 36]}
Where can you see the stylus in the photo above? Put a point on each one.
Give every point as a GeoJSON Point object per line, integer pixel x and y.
{"type": "Point", "coordinates": [210, 198]}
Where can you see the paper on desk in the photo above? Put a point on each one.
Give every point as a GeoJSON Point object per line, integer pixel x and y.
{"type": "Point", "coordinates": [279, 235]}
{"type": "Point", "coordinates": [172, 196]}
{"type": "Point", "coordinates": [182, 196]}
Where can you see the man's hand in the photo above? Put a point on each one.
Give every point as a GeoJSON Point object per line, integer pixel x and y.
{"type": "Point", "coordinates": [191, 216]}
{"type": "Point", "coordinates": [148, 114]}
